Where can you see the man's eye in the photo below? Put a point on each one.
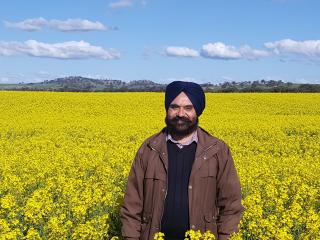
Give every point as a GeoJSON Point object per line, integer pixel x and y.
{"type": "Point", "coordinates": [174, 107]}
{"type": "Point", "coordinates": [188, 108]}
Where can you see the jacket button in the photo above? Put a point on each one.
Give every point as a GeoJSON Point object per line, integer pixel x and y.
{"type": "Point", "coordinates": [204, 157]}
{"type": "Point", "coordinates": [190, 187]}
{"type": "Point", "coordinates": [163, 190]}
{"type": "Point", "coordinates": [193, 226]}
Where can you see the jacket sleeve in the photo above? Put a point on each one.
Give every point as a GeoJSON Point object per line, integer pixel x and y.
{"type": "Point", "coordinates": [131, 208]}
{"type": "Point", "coordinates": [228, 195]}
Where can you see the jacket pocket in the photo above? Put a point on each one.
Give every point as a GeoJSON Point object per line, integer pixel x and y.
{"type": "Point", "coordinates": [208, 186]}
{"type": "Point", "coordinates": [209, 169]}
{"type": "Point", "coordinates": [155, 175]}
{"type": "Point", "coordinates": [154, 182]}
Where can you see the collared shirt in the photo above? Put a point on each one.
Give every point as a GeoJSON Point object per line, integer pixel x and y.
{"type": "Point", "coordinates": [180, 145]}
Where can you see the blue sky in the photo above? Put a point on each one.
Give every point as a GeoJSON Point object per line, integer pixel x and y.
{"type": "Point", "coordinates": [160, 40]}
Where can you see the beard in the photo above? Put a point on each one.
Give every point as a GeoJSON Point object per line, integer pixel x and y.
{"type": "Point", "coordinates": [181, 126]}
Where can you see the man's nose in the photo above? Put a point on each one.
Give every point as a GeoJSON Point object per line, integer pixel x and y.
{"type": "Point", "coordinates": [181, 112]}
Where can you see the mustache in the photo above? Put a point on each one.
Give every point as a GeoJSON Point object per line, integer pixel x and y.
{"type": "Point", "coordinates": [183, 119]}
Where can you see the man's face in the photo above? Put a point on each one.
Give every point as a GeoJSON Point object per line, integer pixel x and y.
{"type": "Point", "coordinates": [181, 116]}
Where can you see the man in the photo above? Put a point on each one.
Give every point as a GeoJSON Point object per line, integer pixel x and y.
{"type": "Point", "coordinates": [182, 178]}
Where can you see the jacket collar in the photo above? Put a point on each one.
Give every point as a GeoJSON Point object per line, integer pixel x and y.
{"type": "Point", "coordinates": [205, 142]}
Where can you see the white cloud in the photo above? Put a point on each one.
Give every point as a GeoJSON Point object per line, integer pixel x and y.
{"type": "Point", "coordinates": [219, 50]}
{"type": "Point", "coordinates": [61, 25]}
{"type": "Point", "coordinates": [8, 48]}
{"type": "Point", "coordinates": [181, 52]}
{"type": "Point", "coordinates": [27, 25]}
{"type": "Point", "coordinates": [127, 3]}
{"type": "Point", "coordinates": [76, 25]}
{"type": "Point", "coordinates": [252, 54]}
{"type": "Point", "coordinates": [121, 4]}
{"type": "Point", "coordinates": [64, 50]}
{"type": "Point", "coordinates": [309, 48]}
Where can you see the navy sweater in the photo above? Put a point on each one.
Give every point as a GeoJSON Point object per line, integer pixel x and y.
{"type": "Point", "coordinates": [175, 219]}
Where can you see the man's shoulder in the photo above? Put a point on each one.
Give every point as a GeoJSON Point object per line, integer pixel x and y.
{"type": "Point", "coordinates": [157, 136]}
{"type": "Point", "coordinates": [217, 146]}
{"type": "Point", "coordinates": [152, 140]}
{"type": "Point", "coordinates": [209, 139]}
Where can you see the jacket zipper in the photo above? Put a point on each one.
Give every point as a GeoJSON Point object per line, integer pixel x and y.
{"type": "Point", "coordinates": [203, 152]}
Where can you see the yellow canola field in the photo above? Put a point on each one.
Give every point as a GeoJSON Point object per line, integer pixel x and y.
{"type": "Point", "coordinates": [65, 157]}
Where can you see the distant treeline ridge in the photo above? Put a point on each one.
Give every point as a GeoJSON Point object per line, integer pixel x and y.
{"type": "Point", "coordinates": [82, 84]}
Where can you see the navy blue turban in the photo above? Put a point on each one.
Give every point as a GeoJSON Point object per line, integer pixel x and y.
{"type": "Point", "coordinates": [192, 90]}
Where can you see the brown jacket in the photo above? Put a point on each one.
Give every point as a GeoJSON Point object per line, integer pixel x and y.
{"type": "Point", "coordinates": [214, 189]}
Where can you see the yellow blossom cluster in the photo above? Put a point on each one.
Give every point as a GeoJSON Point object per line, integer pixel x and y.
{"type": "Point", "coordinates": [189, 235]}
{"type": "Point", "coordinates": [65, 158]}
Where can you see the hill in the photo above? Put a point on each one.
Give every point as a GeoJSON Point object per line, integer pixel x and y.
{"type": "Point", "coordinates": [83, 84]}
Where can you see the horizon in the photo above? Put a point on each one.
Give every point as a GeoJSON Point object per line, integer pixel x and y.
{"type": "Point", "coordinates": [161, 41]}
{"type": "Point", "coordinates": [137, 80]}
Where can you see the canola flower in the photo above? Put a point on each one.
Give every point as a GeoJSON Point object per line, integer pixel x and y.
{"type": "Point", "coordinates": [189, 235]}
{"type": "Point", "coordinates": [65, 158]}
